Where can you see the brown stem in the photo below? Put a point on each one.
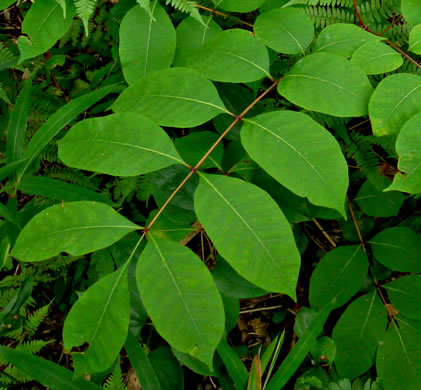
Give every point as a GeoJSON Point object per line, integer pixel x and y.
{"type": "Point", "coordinates": [206, 155]}
{"type": "Point", "coordinates": [391, 44]}
{"type": "Point", "coordinates": [320, 227]}
{"type": "Point", "coordinates": [215, 12]}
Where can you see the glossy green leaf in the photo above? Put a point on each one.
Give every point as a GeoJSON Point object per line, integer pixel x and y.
{"type": "Point", "coordinates": [16, 130]}
{"type": "Point", "coordinates": [230, 283]}
{"type": "Point", "coordinates": [193, 146]}
{"type": "Point", "coordinates": [377, 203]}
{"type": "Point", "coordinates": [299, 352]}
{"type": "Point", "coordinates": [191, 34]}
{"type": "Point", "coordinates": [285, 30]}
{"type": "Point", "coordinates": [411, 11]}
{"type": "Point", "coordinates": [398, 361]}
{"type": "Point", "coordinates": [396, 248]}
{"type": "Point", "coordinates": [99, 317]}
{"type": "Point", "coordinates": [179, 295]}
{"type": "Point", "coordinates": [59, 190]}
{"type": "Point", "coordinates": [232, 56]}
{"type": "Point", "coordinates": [141, 364]}
{"type": "Point", "coordinates": [59, 120]}
{"type": "Point", "coordinates": [175, 97]}
{"type": "Point", "coordinates": [404, 294]}
{"type": "Point", "coordinates": [300, 154]}
{"type": "Point", "coordinates": [232, 311]}
{"type": "Point", "coordinates": [147, 44]}
{"type": "Point", "coordinates": [344, 270]}
{"type": "Point", "coordinates": [415, 39]}
{"type": "Point", "coordinates": [10, 168]}
{"type": "Point", "coordinates": [255, 238]}
{"type": "Point", "coordinates": [76, 228]}
{"type": "Point", "coordinates": [396, 99]}
{"type": "Point", "coordinates": [343, 39]}
{"type": "Point", "coordinates": [358, 333]}
{"type": "Point", "coordinates": [45, 25]}
{"type": "Point", "coordinates": [126, 144]}
{"type": "Point", "coordinates": [327, 83]}
{"type": "Point", "coordinates": [47, 373]}
{"type": "Point", "coordinates": [238, 5]}
{"type": "Point", "coordinates": [409, 164]}
{"type": "Point", "coordinates": [376, 58]}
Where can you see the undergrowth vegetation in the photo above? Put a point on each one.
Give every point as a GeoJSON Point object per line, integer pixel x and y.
{"type": "Point", "coordinates": [210, 194]}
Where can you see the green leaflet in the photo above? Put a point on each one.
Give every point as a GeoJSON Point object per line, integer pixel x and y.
{"type": "Point", "coordinates": [398, 361]}
{"type": "Point", "coordinates": [376, 57]}
{"type": "Point", "coordinates": [181, 298]}
{"type": "Point", "coordinates": [16, 130]}
{"type": "Point", "coordinates": [344, 270]}
{"type": "Point", "coordinates": [255, 237]}
{"type": "Point", "coordinates": [415, 39]}
{"type": "Point", "coordinates": [76, 228]}
{"type": "Point", "coordinates": [191, 34]}
{"type": "Point", "coordinates": [377, 203]}
{"type": "Point", "coordinates": [285, 30]}
{"type": "Point", "coordinates": [411, 10]}
{"type": "Point", "coordinates": [99, 317]}
{"type": "Point", "coordinates": [238, 5]}
{"type": "Point", "coordinates": [327, 83]}
{"type": "Point", "coordinates": [396, 247]}
{"type": "Point", "coordinates": [49, 374]}
{"type": "Point", "coordinates": [176, 97]}
{"type": "Point", "coordinates": [300, 154]}
{"type": "Point", "coordinates": [396, 99]}
{"type": "Point", "coordinates": [45, 25]}
{"type": "Point", "coordinates": [404, 293]}
{"type": "Point", "coordinates": [58, 121]}
{"type": "Point", "coordinates": [232, 56]}
{"type": "Point", "coordinates": [357, 335]}
{"type": "Point", "coordinates": [125, 144]}
{"type": "Point", "coordinates": [343, 39]}
{"type": "Point", "coordinates": [147, 44]}
{"type": "Point", "coordinates": [409, 179]}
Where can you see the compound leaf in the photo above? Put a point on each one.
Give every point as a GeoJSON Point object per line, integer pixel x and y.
{"type": "Point", "coordinates": [76, 228]}
{"type": "Point", "coordinates": [255, 237]}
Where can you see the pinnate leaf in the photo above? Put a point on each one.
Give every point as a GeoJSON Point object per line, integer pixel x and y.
{"type": "Point", "coordinates": [232, 56]}
{"type": "Point", "coordinates": [396, 99]}
{"type": "Point", "coordinates": [300, 154]}
{"type": "Point", "coordinates": [99, 317]}
{"type": "Point", "coordinates": [398, 361]}
{"type": "Point", "coordinates": [409, 164]}
{"type": "Point", "coordinates": [181, 298]}
{"type": "Point", "coordinates": [255, 238]}
{"type": "Point", "coordinates": [343, 39]}
{"type": "Point", "coordinates": [397, 249]}
{"type": "Point", "coordinates": [327, 83]}
{"type": "Point", "coordinates": [76, 228]}
{"type": "Point", "coordinates": [147, 42]}
{"type": "Point", "coordinates": [285, 30]}
{"type": "Point", "coordinates": [343, 270]}
{"type": "Point", "coordinates": [176, 97]}
{"type": "Point", "coordinates": [404, 294]}
{"type": "Point", "coordinates": [357, 335]}
{"type": "Point", "coordinates": [125, 144]}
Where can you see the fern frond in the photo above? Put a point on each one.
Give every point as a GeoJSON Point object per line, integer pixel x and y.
{"type": "Point", "coordinates": [124, 187]}
{"type": "Point", "coordinates": [115, 380]}
{"type": "Point", "coordinates": [33, 346]}
{"type": "Point", "coordinates": [187, 6]}
{"type": "Point", "coordinates": [146, 5]}
{"type": "Point", "coordinates": [35, 319]}
{"type": "Point", "coordinates": [84, 10]}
